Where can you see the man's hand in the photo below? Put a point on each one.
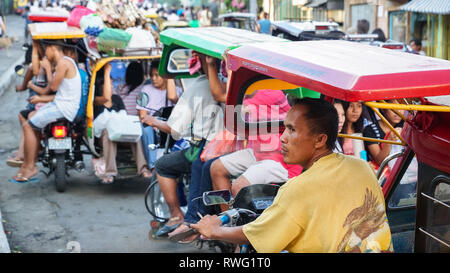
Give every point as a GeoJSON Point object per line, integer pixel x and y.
{"type": "Point", "coordinates": [45, 63]}
{"type": "Point", "coordinates": [149, 120]}
{"type": "Point", "coordinates": [393, 136]}
{"type": "Point", "coordinates": [208, 226]}
{"type": "Point", "coordinates": [35, 99]}
{"type": "Point", "coordinates": [108, 68]}
{"type": "Point", "coordinates": [210, 60]}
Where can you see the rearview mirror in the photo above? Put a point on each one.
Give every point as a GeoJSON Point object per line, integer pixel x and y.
{"type": "Point", "coordinates": [217, 197]}
{"type": "Point", "coordinates": [20, 70]}
{"type": "Point", "coordinates": [178, 61]}
{"type": "Point", "coordinates": [142, 99]}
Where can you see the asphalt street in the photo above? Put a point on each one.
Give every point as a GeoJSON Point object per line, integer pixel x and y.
{"type": "Point", "coordinates": [90, 216]}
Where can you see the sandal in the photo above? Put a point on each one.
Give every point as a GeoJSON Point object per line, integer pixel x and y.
{"type": "Point", "coordinates": [20, 179]}
{"type": "Point", "coordinates": [186, 236]}
{"type": "Point", "coordinates": [109, 179]}
{"type": "Point", "coordinates": [166, 229]}
{"type": "Point", "coordinates": [14, 162]}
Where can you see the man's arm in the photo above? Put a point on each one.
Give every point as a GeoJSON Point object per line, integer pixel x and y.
{"type": "Point", "coordinates": [38, 89]}
{"type": "Point", "coordinates": [106, 98]}
{"type": "Point", "coordinates": [211, 227]}
{"type": "Point", "coordinates": [172, 91]}
{"type": "Point", "coordinates": [154, 122]}
{"type": "Point", "coordinates": [217, 87]}
{"type": "Point", "coordinates": [60, 74]}
{"type": "Point", "coordinates": [43, 99]}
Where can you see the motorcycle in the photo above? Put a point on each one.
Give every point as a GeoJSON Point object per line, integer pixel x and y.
{"type": "Point", "coordinates": [250, 202]}
{"type": "Point", "coordinates": [61, 141]}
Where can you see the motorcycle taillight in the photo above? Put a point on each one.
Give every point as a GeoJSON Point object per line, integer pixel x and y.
{"type": "Point", "coordinates": [59, 131]}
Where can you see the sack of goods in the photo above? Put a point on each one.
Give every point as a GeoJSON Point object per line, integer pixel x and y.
{"type": "Point", "coordinates": [77, 14]}
{"type": "Point", "coordinates": [92, 24]}
{"type": "Point", "coordinates": [140, 40]}
{"type": "Point", "coordinates": [111, 39]}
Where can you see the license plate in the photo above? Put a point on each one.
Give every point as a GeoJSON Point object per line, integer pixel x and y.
{"type": "Point", "coordinates": [59, 143]}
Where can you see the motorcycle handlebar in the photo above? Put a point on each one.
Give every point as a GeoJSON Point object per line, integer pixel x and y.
{"type": "Point", "coordinates": [225, 219]}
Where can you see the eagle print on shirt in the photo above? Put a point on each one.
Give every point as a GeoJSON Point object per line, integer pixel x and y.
{"type": "Point", "coordinates": [367, 228]}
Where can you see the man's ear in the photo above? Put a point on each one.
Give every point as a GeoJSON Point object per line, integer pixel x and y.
{"type": "Point", "coordinates": [321, 141]}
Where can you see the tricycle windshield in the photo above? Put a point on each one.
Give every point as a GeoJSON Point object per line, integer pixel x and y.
{"type": "Point", "coordinates": [344, 70]}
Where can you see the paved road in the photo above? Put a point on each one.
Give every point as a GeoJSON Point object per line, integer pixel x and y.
{"type": "Point", "coordinates": [101, 218]}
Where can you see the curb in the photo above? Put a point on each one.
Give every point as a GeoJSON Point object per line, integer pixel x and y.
{"type": "Point", "coordinates": [9, 76]}
{"type": "Point", "coordinates": [4, 245]}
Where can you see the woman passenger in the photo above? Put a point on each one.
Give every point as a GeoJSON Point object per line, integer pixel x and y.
{"type": "Point", "coordinates": [379, 151]}
{"type": "Point", "coordinates": [338, 104]}
{"type": "Point", "coordinates": [354, 123]}
{"type": "Point", "coordinates": [105, 100]}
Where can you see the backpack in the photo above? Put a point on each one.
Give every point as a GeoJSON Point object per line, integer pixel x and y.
{"type": "Point", "coordinates": [84, 96]}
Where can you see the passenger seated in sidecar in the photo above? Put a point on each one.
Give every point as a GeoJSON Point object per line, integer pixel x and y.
{"type": "Point", "coordinates": [161, 93]}
{"type": "Point", "coordinates": [106, 167]}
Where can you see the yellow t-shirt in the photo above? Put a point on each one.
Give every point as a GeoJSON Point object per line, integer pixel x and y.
{"type": "Point", "coordinates": [334, 206]}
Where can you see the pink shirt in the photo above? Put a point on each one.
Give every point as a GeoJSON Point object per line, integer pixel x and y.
{"type": "Point", "coordinates": [129, 99]}
{"type": "Point", "coordinates": [268, 147]}
{"type": "Point", "coordinates": [347, 147]}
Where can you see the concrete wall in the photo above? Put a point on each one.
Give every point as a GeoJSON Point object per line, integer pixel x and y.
{"type": "Point", "coordinates": [379, 16]}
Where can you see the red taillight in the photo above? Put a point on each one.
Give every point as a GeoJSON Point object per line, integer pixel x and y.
{"type": "Point", "coordinates": [59, 131]}
{"type": "Point", "coordinates": [393, 46]}
{"type": "Point", "coordinates": [321, 27]}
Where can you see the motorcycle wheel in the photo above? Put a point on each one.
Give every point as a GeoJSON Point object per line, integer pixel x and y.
{"type": "Point", "coordinates": [60, 173]}
{"type": "Point", "coordinates": [155, 203]}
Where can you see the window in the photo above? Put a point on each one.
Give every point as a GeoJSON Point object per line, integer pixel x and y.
{"type": "Point", "coordinates": [398, 30]}
{"type": "Point", "coordinates": [359, 12]}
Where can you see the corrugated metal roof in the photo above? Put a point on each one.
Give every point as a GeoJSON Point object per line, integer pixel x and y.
{"type": "Point", "coordinates": [427, 6]}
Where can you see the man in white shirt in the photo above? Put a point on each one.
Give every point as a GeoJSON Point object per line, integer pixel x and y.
{"type": "Point", "coordinates": [197, 115]}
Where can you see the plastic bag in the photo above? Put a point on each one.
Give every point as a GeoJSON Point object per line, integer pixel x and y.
{"type": "Point", "coordinates": [92, 24]}
{"type": "Point", "coordinates": [110, 39]}
{"type": "Point", "coordinates": [92, 42]}
{"type": "Point", "coordinates": [124, 128]}
{"type": "Point", "coordinates": [223, 143]}
{"type": "Point", "coordinates": [140, 38]}
{"type": "Point", "coordinates": [76, 14]}
{"type": "Point", "coordinates": [99, 123]}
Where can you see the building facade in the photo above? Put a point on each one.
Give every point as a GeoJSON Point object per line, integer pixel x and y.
{"type": "Point", "coordinates": [376, 12]}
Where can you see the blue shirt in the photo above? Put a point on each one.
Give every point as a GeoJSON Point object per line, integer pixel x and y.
{"type": "Point", "coordinates": [264, 26]}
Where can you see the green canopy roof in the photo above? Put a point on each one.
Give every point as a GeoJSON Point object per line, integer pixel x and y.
{"type": "Point", "coordinates": [213, 41]}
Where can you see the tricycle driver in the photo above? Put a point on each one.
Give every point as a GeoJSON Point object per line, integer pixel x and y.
{"type": "Point", "coordinates": [335, 205]}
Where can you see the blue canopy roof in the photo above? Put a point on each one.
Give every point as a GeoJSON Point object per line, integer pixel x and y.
{"type": "Point", "coordinates": [427, 6]}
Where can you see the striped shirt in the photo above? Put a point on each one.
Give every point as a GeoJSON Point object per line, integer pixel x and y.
{"type": "Point", "coordinates": [129, 99]}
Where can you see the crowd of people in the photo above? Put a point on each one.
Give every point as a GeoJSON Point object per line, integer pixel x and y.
{"type": "Point", "coordinates": [56, 79]}
{"type": "Point", "coordinates": [265, 159]}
